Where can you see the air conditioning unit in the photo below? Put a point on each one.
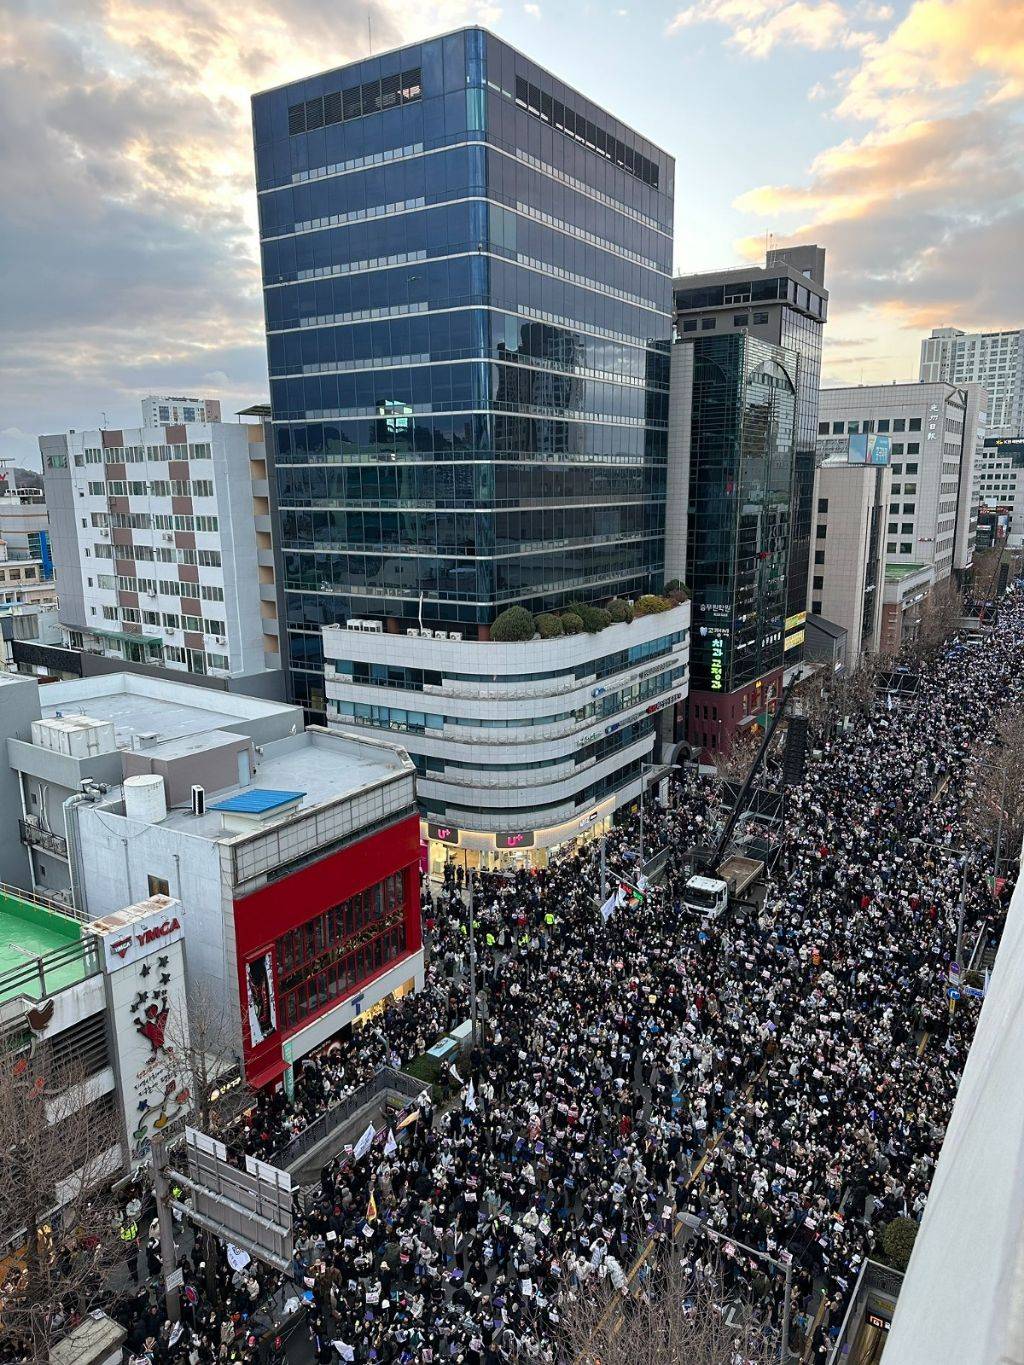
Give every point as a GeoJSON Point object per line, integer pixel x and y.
{"type": "Point", "coordinates": [455, 635]}
{"type": "Point", "coordinates": [374, 627]}
{"type": "Point", "coordinates": [426, 634]}
{"type": "Point", "coordinates": [221, 640]}
{"type": "Point", "coordinates": [150, 592]}
{"type": "Point", "coordinates": [440, 635]}
{"type": "Point", "coordinates": [104, 532]}
{"type": "Point", "coordinates": [168, 536]}
{"type": "Point", "coordinates": [168, 630]}
{"type": "Point", "coordinates": [411, 630]}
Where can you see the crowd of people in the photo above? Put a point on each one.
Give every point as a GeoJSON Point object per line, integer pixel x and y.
{"type": "Point", "coordinates": [781, 1077]}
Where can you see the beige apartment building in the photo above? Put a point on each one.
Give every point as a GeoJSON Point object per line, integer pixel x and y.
{"type": "Point", "coordinates": [848, 554]}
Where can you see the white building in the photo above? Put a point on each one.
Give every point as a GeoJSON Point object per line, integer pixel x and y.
{"type": "Point", "coordinates": [519, 748]}
{"type": "Point", "coordinates": [158, 410]}
{"type": "Point", "coordinates": [851, 503]}
{"type": "Point", "coordinates": [295, 854]}
{"type": "Point", "coordinates": [936, 431]}
{"type": "Point", "coordinates": [82, 732]}
{"type": "Point", "coordinates": [163, 551]}
{"type": "Point", "coordinates": [994, 360]}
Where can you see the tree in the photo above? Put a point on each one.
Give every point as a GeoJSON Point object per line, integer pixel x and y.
{"type": "Point", "coordinates": [898, 1241]}
{"type": "Point", "coordinates": [56, 1206]}
{"type": "Point", "coordinates": [513, 624]}
{"type": "Point", "coordinates": [997, 810]}
{"type": "Point", "coordinates": [733, 764]}
{"type": "Point", "coordinates": [667, 1319]}
{"type": "Point", "coordinates": [939, 619]}
{"type": "Point", "coordinates": [209, 1053]}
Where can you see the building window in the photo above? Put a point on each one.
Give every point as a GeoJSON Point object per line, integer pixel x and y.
{"type": "Point", "coordinates": [330, 955]}
{"type": "Point", "coordinates": [690, 325]}
{"type": "Point", "coordinates": [821, 532]}
{"type": "Point", "coordinates": [899, 424]}
{"type": "Point", "coordinates": [838, 428]}
{"type": "Point", "coordinates": [822, 428]}
{"type": "Point", "coordinates": [708, 324]}
{"type": "Point", "coordinates": [890, 548]}
{"type": "Point", "coordinates": [816, 608]}
{"type": "Point", "coordinates": [158, 886]}
{"type": "Point", "coordinates": [823, 505]}
{"type": "Point", "coordinates": [906, 548]}
{"type": "Point", "coordinates": [818, 583]}
{"type": "Point", "coordinates": [915, 424]}
{"type": "Point", "coordinates": [913, 448]}
{"type": "Point", "coordinates": [760, 319]}
{"type": "Point", "coordinates": [741, 320]}
{"type": "Point", "coordinates": [883, 424]}
{"type": "Point", "coordinates": [819, 556]}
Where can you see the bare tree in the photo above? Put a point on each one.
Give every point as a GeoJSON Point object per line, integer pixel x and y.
{"type": "Point", "coordinates": [733, 764]}
{"type": "Point", "coordinates": [996, 809]}
{"type": "Point", "coordinates": [669, 1318]}
{"type": "Point", "coordinates": [58, 1216]}
{"type": "Point", "coordinates": [939, 620]}
{"type": "Point", "coordinates": [208, 1049]}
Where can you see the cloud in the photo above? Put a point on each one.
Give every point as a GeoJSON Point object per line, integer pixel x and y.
{"type": "Point", "coordinates": [758, 26]}
{"type": "Point", "coordinates": [532, 10]}
{"type": "Point", "coordinates": [921, 213]}
{"type": "Point", "coordinates": [128, 243]}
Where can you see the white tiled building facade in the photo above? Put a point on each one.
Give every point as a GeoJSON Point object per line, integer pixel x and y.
{"type": "Point", "coordinates": [999, 481]}
{"type": "Point", "coordinates": [521, 747]}
{"type": "Point", "coordinates": [935, 431]}
{"type": "Point", "coordinates": [159, 410]}
{"type": "Point", "coordinates": [993, 359]}
{"type": "Point", "coordinates": [162, 545]}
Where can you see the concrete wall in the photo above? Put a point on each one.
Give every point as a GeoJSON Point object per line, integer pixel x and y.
{"type": "Point", "coordinates": [267, 684]}
{"type": "Point", "coordinates": [19, 707]}
{"type": "Point", "coordinates": [64, 515]}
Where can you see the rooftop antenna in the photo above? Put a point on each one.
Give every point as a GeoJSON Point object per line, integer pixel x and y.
{"type": "Point", "coordinates": [104, 416]}
{"type": "Point", "coordinates": [369, 32]}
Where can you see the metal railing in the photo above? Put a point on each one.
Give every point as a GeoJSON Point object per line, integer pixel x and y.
{"type": "Point", "coordinates": [387, 1078]}
{"type": "Point", "coordinates": [35, 976]}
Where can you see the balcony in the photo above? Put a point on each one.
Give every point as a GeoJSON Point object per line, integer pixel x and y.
{"type": "Point", "coordinates": [37, 837]}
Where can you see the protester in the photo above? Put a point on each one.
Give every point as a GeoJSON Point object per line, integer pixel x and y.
{"type": "Point", "coordinates": [782, 1078]}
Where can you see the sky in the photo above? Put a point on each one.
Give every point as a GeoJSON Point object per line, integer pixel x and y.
{"type": "Point", "coordinates": [891, 134]}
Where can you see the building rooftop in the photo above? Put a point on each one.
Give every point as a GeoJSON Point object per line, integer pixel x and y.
{"type": "Point", "coordinates": [28, 932]}
{"type": "Point", "coordinates": [311, 768]}
{"type": "Point", "coordinates": [147, 711]}
{"type": "Point", "coordinates": [895, 573]}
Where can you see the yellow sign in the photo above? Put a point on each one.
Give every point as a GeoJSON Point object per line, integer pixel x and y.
{"type": "Point", "coordinates": [797, 620]}
{"type": "Point", "coordinates": [793, 640]}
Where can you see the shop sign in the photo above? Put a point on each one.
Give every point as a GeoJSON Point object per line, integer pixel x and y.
{"type": "Point", "coordinates": [589, 818]}
{"type": "Point", "coordinates": [443, 834]}
{"type": "Point", "coordinates": [519, 839]}
{"type": "Point", "coordinates": [717, 663]}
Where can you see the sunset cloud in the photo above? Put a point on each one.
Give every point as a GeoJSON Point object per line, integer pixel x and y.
{"type": "Point", "coordinates": [758, 26]}
{"type": "Point", "coordinates": [923, 213]}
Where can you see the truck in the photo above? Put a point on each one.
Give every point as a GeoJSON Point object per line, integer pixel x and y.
{"type": "Point", "coordinates": [709, 896]}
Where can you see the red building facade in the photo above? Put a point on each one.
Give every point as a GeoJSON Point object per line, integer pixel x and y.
{"type": "Point", "coordinates": [311, 945]}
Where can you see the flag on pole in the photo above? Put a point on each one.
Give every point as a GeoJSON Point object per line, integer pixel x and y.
{"type": "Point", "coordinates": [371, 1209]}
{"type": "Point", "coordinates": [608, 909]}
{"type": "Point", "coordinates": [471, 1096]}
{"type": "Point", "coordinates": [391, 1145]}
{"type": "Point", "coordinates": [411, 1117]}
{"type": "Point", "coordinates": [365, 1142]}
{"type": "Point", "coordinates": [628, 894]}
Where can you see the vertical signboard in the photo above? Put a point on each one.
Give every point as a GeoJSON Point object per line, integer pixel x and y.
{"type": "Point", "coordinates": [143, 956]}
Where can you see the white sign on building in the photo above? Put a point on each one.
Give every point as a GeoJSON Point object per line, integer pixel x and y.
{"type": "Point", "coordinates": [144, 967]}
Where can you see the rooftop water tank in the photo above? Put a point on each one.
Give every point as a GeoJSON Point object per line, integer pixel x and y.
{"type": "Point", "coordinates": [144, 798]}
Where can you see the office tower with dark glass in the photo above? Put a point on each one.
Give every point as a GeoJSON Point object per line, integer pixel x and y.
{"type": "Point", "coordinates": [785, 302]}
{"type": "Point", "coordinates": [467, 286]}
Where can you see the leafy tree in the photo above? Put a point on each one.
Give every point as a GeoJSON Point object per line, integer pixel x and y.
{"type": "Point", "coordinates": [549, 626]}
{"type": "Point", "coordinates": [898, 1241]}
{"type": "Point", "coordinates": [513, 624]}
{"type": "Point", "coordinates": [571, 623]}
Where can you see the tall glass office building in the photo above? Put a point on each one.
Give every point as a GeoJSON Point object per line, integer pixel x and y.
{"type": "Point", "coordinates": [733, 464]}
{"type": "Point", "coordinates": [466, 269]}
{"type": "Point", "coordinates": [468, 295]}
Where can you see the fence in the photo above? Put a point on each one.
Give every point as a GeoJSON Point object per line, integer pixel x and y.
{"type": "Point", "coordinates": [387, 1078]}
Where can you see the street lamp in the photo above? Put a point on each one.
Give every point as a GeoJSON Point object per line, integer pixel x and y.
{"type": "Point", "coordinates": [785, 1266]}
{"type": "Point", "coordinates": [947, 848]}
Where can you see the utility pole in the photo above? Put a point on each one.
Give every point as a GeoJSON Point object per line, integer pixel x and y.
{"type": "Point", "coordinates": [785, 1266]}
{"type": "Point", "coordinates": [643, 783]}
{"type": "Point", "coordinates": [472, 960]}
{"type": "Point", "coordinates": [604, 842]}
{"type": "Point", "coordinates": [162, 1190]}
